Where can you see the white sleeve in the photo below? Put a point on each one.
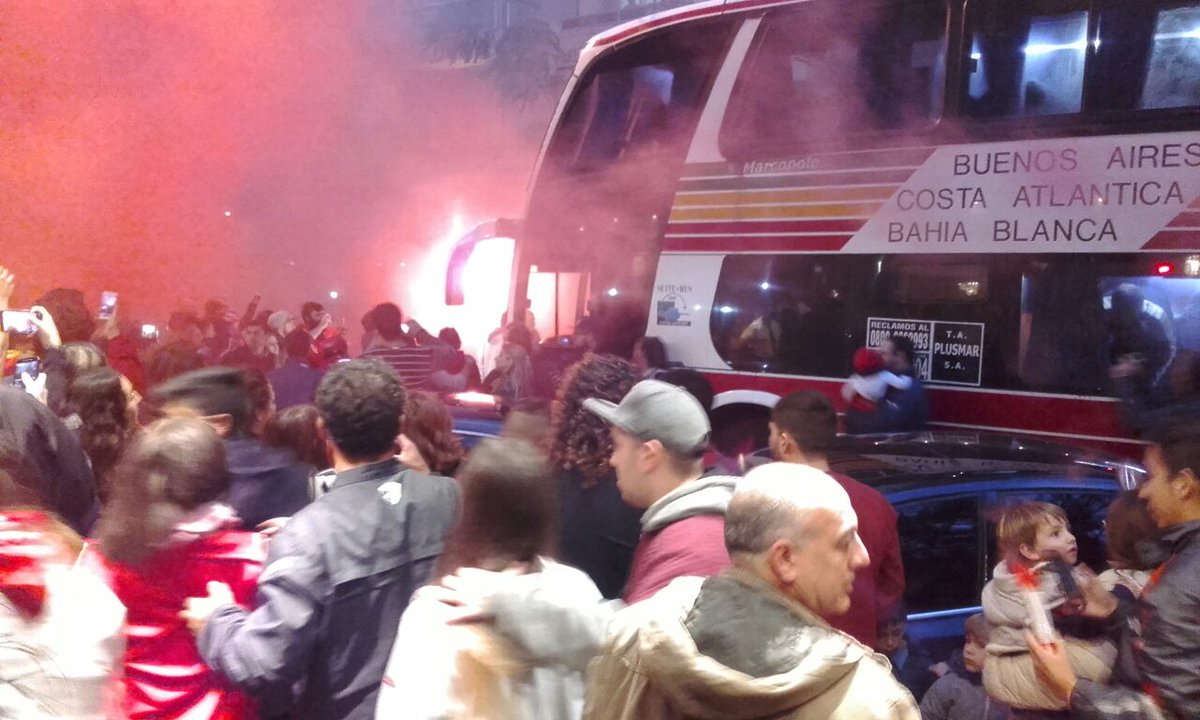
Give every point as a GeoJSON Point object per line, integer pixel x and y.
{"type": "Point", "coordinates": [848, 391]}
{"type": "Point", "coordinates": [418, 683]}
{"type": "Point", "coordinates": [901, 382]}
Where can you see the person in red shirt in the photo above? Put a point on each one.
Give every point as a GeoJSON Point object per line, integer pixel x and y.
{"type": "Point", "coordinates": [328, 342]}
{"type": "Point", "coordinates": [803, 427]}
{"type": "Point", "coordinates": [165, 536]}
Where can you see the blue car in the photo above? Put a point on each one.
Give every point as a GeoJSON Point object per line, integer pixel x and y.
{"type": "Point", "coordinates": [947, 488]}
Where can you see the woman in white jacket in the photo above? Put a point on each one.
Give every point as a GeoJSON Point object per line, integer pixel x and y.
{"type": "Point", "coordinates": [449, 671]}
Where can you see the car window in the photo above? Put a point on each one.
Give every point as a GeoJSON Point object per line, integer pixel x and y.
{"type": "Point", "coordinates": [1085, 511]}
{"type": "Point", "coordinates": [939, 542]}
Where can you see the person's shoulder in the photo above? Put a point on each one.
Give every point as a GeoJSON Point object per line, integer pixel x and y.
{"type": "Point", "coordinates": [427, 482]}
{"type": "Point", "coordinates": [690, 528]}
{"type": "Point", "coordinates": [877, 692]}
{"type": "Point", "coordinates": [569, 578]}
{"type": "Point", "coordinates": [860, 491]}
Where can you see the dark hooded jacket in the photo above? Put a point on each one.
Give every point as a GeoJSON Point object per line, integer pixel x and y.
{"type": "Point", "coordinates": [46, 459]}
{"type": "Point", "coordinates": [267, 482]}
{"type": "Point", "coordinates": [959, 695]}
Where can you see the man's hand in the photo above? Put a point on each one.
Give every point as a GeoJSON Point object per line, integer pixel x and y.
{"type": "Point", "coordinates": [8, 284]}
{"type": "Point", "coordinates": [46, 328]}
{"type": "Point", "coordinates": [1053, 668]}
{"type": "Point", "coordinates": [197, 611]}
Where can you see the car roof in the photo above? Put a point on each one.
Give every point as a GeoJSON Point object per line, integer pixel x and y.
{"type": "Point", "coordinates": [897, 462]}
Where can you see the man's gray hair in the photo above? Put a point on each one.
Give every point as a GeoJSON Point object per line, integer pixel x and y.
{"type": "Point", "coordinates": [772, 502]}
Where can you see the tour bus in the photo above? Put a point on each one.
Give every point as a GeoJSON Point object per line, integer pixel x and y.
{"type": "Point", "coordinates": [1011, 184]}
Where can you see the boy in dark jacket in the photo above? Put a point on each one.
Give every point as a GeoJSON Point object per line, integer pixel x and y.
{"type": "Point", "coordinates": [959, 694]}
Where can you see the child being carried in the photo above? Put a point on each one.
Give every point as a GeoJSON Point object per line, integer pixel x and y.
{"type": "Point", "coordinates": [1037, 582]}
{"type": "Point", "coordinates": [870, 381]}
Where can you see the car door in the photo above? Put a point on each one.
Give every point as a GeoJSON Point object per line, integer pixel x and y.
{"type": "Point", "coordinates": [941, 543]}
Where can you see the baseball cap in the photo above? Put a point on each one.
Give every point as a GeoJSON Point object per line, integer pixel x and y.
{"type": "Point", "coordinates": [655, 410]}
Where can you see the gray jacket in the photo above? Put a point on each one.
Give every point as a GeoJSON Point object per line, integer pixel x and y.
{"type": "Point", "coordinates": [1165, 623]}
{"type": "Point", "coordinates": [337, 580]}
{"type": "Point", "coordinates": [1004, 608]}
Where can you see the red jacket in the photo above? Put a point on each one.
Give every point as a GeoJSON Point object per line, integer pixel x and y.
{"type": "Point", "coordinates": [164, 675]}
{"type": "Point", "coordinates": [880, 585]}
{"type": "Point", "coordinates": [693, 546]}
{"type": "Point", "coordinates": [327, 348]}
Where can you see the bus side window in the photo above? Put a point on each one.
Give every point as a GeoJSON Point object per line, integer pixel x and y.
{"type": "Point", "coordinates": [1147, 56]}
{"type": "Point", "coordinates": [1173, 75]}
{"type": "Point", "coordinates": [803, 84]}
{"type": "Point", "coordinates": [1026, 58]}
{"type": "Point", "coordinates": [799, 314]}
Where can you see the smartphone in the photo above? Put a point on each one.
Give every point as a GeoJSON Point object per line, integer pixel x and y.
{"type": "Point", "coordinates": [108, 305]}
{"type": "Point", "coordinates": [19, 322]}
{"type": "Point", "coordinates": [31, 365]}
{"type": "Point", "coordinates": [149, 332]}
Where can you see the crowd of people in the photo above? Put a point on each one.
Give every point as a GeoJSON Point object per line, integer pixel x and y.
{"type": "Point", "coordinates": [243, 522]}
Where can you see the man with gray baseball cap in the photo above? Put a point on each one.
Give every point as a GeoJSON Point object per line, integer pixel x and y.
{"type": "Point", "coordinates": [660, 433]}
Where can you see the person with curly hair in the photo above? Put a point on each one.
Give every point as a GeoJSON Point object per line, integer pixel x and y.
{"type": "Point", "coordinates": [427, 441]}
{"type": "Point", "coordinates": [598, 532]}
{"type": "Point", "coordinates": [107, 406]}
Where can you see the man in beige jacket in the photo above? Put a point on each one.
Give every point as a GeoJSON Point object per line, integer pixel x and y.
{"type": "Point", "coordinates": [750, 643]}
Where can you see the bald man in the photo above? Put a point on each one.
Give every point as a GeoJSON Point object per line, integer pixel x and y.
{"type": "Point", "coordinates": [751, 642]}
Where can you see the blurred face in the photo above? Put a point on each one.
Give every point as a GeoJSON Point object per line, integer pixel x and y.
{"type": "Point", "coordinates": [313, 318]}
{"type": "Point", "coordinates": [1158, 490]}
{"type": "Point", "coordinates": [776, 441]}
{"type": "Point", "coordinates": [893, 360]}
{"type": "Point", "coordinates": [974, 654]}
{"type": "Point", "coordinates": [256, 339]}
{"type": "Point", "coordinates": [1054, 539]}
{"type": "Point", "coordinates": [889, 638]}
{"type": "Point", "coordinates": [639, 358]}
{"type": "Point", "coordinates": [626, 461]}
{"type": "Point", "coordinates": [821, 576]}
{"type": "Point", "coordinates": [272, 345]}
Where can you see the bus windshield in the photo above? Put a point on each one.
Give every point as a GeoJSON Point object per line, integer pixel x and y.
{"type": "Point", "coordinates": [610, 171]}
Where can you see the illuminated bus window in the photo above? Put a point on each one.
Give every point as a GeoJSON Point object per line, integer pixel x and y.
{"type": "Point", "coordinates": [1173, 75]}
{"type": "Point", "coordinates": [1026, 60]}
